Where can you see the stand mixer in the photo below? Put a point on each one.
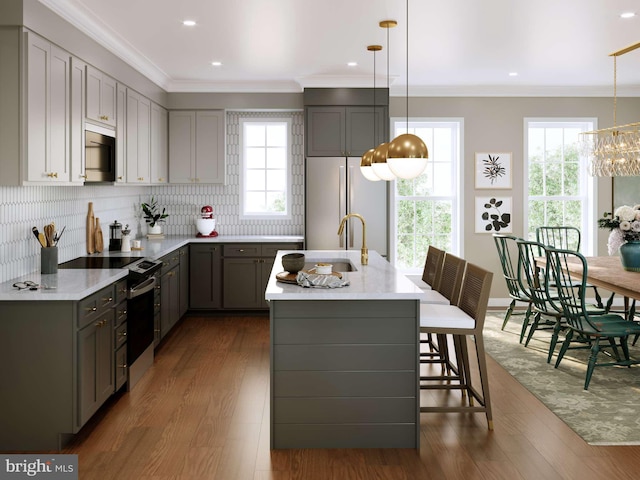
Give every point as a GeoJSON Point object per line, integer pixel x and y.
{"type": "Point", "coordinates": [206, 223]}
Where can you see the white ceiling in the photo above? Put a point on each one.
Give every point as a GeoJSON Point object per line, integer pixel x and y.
{"type": "Point", "coordinates": [456, 47]}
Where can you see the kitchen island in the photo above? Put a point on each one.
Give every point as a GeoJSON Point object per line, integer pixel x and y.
{"type": "Point", "coordinates": [344, 361]}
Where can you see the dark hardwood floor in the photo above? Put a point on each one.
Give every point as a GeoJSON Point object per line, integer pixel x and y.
{"type": "Point", "coordinates": [202, 412]}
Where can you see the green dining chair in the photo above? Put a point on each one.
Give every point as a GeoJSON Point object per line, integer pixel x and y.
{"type": "Point", "coordinates": [508, 254]}
{"type": "Point", "coordinates": [545, 305]}
{"type": "Point", "coordinates": [582, 325]}
{"type": "Point", "coordinates": [566, 238]}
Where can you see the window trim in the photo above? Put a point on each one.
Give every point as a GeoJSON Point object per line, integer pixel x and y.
{"type": "Point", "coordinates": [457, 227]}
{"type": "Point", "coordinates": [288, 215]}
{"type": "Point", "coordinates": [589, 219]}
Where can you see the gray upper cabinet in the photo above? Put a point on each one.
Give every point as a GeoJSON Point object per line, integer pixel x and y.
{"type": "Point", "coordinates": [101, 97]}
{"type": "Point", "coordinates": [345, 122]}
{"type": "Point", "coordinates": [196, 146]}
{"type": "Point", "coordinates": [159, 145]}
{"type": "Point", "coordinates": [138, 148]}
{"type": "Point", "coordinates": [48, 88]}
{"type": "Point", "coordinates": [344, 131]}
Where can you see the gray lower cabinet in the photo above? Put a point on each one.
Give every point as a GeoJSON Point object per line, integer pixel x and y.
{"type": "Point", "coordinates": [120, 335]}
{"type": "Point", "coordinates": [59, 366]}
{"type": "Point", "coordinates": [183, 300]}
{"type": "Point", "coordinates": [246, 269]}
{"type": "Point", "coordinates": [344, 374]}
{"type": "Point", "coordinates": [96, 365]}
{"type": "Point", "coordinates": [169, 292]}
{"type": "Point", "coordinates": [205, 276]}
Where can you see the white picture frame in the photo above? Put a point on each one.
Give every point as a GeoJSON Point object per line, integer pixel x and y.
{"type": "Point", "coordinates": [493, 170]}
{"type": "Point", "coordinates": [494, 214]}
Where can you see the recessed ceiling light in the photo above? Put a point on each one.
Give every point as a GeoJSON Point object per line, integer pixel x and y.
{"type": "Point", "coordinates": [216, 64]}
{"type": "Point", "coordinates": [189, 23]}
{"type": "Point", "coordinates": [627, 15]}
{"type": "Point", "coordinates": [513, 74]}
{"type": "Point", "coordinates": [352, 64]}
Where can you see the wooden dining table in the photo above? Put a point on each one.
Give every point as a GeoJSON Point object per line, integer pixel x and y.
{"type": "Point", "coordinates": [607, 273]}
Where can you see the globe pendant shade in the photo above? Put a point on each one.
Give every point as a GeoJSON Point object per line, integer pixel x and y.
{"type": "Point", "coordinates": [379, 163]}
{"type": "Point", "coordinates": [407, 156]}
{"type": "Point", "coordinates": [366, 168]}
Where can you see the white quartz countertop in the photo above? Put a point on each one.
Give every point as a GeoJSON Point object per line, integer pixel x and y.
{"type": "Point", "coordinates": [75, 284]}
{"type": "Point", "coordinates": [379, 280]}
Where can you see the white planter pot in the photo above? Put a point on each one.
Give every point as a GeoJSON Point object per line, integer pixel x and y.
{"type": "Point", "coordinates": [155, 230]}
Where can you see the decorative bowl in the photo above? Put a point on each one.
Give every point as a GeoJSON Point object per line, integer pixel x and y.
{"type": "Point", "coordinates": [293, 262]}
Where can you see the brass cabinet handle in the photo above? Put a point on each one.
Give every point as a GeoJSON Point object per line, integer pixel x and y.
{"type": "Point", "coordinates": [52, 174]}
{"type": "Point", "coordinates": [120, 177]}
{"type": "Point", "coordinates": [141, 179]}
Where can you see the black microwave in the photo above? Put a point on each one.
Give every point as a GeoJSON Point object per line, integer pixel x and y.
{"type": "Point", "coordinates": [100, 154]}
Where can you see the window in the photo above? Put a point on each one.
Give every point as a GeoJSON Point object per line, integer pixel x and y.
{"type": "Point", "coordinates": [265, 167]}
{"type": "Point", "coordinates": [559, 190]}
{"type": "Point", "coordinates": [425, 210]}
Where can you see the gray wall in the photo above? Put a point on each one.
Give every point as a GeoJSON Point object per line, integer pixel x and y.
{"type": "Point", "coordinates": [497, 124]}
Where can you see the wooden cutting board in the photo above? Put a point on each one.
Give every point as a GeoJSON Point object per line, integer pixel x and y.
{"type": "Point", "coordinates": [91, 224]}
{"type": "Point", "coordinates": [98, 240]}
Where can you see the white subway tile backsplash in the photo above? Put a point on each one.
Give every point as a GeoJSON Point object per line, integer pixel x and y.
{"type": "Point", "coordinates": [22, 208]}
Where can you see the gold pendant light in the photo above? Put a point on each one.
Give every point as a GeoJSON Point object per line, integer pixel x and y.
{"type": "Point", "coordinates": [379, 160]}
{"type": "Point", "coordinates": [408, 154]}
{"type": "Point", "coordinates": [367, 158]}
{"type": "Point", "coordinates": [614, 151]}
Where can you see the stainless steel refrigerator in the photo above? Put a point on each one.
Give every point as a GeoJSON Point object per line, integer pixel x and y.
{"type": "Point", "coordinates": [335, 187]}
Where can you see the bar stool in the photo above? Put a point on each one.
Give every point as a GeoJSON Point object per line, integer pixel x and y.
{"type": "Point", "coordinates": [462, 320]}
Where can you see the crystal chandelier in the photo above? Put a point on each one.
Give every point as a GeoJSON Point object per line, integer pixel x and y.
{"type": "Point", "coordinates": [613, 151]}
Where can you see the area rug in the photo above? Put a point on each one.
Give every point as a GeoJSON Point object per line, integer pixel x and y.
{"type": "Point", "coordinates": [606, 414]}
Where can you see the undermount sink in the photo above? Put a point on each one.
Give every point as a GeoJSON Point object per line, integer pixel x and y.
{"type": "Point", "coordinates": [339, 264]}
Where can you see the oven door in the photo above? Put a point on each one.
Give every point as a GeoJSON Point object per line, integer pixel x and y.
{"type": "Point", "coordinates": [140, 318]}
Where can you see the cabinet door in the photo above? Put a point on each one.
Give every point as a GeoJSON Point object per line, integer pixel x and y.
{"type": "Point", "coordinates": [138, 138]}
{"type": "Point", "coordinates": [108, 110]}
{"type": "Point", "coordinates": [78, 92]}
{"type": "Point", "coordinates": [241, 277]}
{"type": "Point", "coordinates": [121, 134]}
{"type": "Point", "coordinates": [94, 82]}
{"type": "Point", "coordinates": [59, 116]}
{"type": "Point", "coordinates": [184, 281]}
{"type": "Point", "coordinates": [159, 151]}
{"type": "Point", "coordinates": [169, 300]}
{"type": "Point", "coordinates": [205, 276]}
{"type": "Point", "coordinates": [266, 265]}
{"type": "Point", "coordinates": [210, 154]}
{"type": "Point", "coordinates": [325, 131]}
{"type": "Point", "coordinates": [95, 353]}
{"type": "Point", "coordinates": [48, 104]}
{"type": "Point", "coordinates": [365, 129]}
{"type": "Point", "coordinates": [101, 97]}
{"type": "Point", "coordinates": [182, 142]}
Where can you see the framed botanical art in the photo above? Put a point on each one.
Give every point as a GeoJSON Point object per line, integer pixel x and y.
{"type": "Point", "coordinates": [493, 214]}
{"type": "Point", "coordinates": [493, 170]}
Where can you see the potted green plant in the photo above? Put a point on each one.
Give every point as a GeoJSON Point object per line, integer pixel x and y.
{"type": "Point", "coordinates": [153, 216]}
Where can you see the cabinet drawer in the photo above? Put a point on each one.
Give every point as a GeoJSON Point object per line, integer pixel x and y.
{"type": "Point", "coordinates": [242, 250]}
{"type": "Point", "coordinates": [271, 249]}
{"type": "Point", "coordinates": [93, 306]}
{"type": "Point", "coordinates": [120, 335]}
{"type": "Point", "coordinates": [170, 261]}
{"type": "Point", "coordinates": [121, 291]}
{"type": "Point", "coordinates": [121, 313]}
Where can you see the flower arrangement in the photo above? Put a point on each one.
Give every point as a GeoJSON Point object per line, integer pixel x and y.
{"type": "Point", "coordinates": [152, 215]}
{"type": "Point", "coordinates": [624, 224]}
